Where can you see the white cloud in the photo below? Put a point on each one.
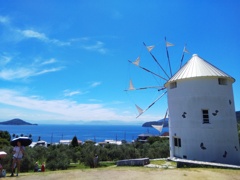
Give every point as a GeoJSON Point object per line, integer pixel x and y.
{"type": "Point", "coordinates": [19, 73]}
{"type": "Point", "coordinates": [42, 37]}
{"type": "Point", "coordinates": [44, 71]}
{"type": "Point", "coordinates": [71, 93]}
{"type": "Point", "coordinates": [5, 60]}
{"type": "Point", "coordinates": [24, 72]}
{"type": "Point", "coordinates": [34, 34]}
{"type": "Point", "coordinates": [61, 109]}
{"type": "Point", "coordinates": [97, 46]}
{"type": "Point", "coordinates": [11, 71]}
{"type": "Point", "coordinates": [50, 61]}
{"type": "Point", "coordinates": [17, 34]}
{"type": "Point", "coordinates": [95, 84]}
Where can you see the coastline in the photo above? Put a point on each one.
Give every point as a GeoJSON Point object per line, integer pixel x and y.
{"type": "Point", "coordinates": [53, 133]}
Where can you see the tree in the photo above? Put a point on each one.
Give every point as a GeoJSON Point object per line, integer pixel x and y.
{"type": "Point", "coordinates": [74, 142]}
{"type": "Point", "coordinates": [57, 157]}
{"type": "Point", "coordinates": [5, 138]}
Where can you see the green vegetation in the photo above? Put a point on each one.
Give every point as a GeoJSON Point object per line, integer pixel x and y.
{"type": "Point", "coordinates": [74, 156]}
{"type": "Point", "coordinates": [5, 138]}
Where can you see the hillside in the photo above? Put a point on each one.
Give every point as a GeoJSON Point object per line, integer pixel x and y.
{"type": "Point", "coordinates": [159, 122]}
{"type": "Point", "coordinates": [16, 122]}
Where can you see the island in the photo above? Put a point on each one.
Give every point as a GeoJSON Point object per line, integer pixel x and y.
{"type": "Point", "coordinates": [16, 121]}
{"type": "Point", "coordinates": [159, 122]}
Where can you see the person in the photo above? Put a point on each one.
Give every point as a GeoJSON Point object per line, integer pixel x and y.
{"type": "Point", "coordinates": [36, 167]}
{"type": "Point", "coordinates": [95, 161]}
{"type": "Point", "coordinates": [2, 171]}
{"type": "Point", "coordinates": [18, 152]}
{"type": "Point", "coordinates": [43, 167]}
{"type": "Point", "coordinates": [1, 168]}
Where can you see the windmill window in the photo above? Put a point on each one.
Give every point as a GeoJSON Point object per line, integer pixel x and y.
{"type": "Point", "coordinates": [222, 81]}
{"type": "Point", "coordinates": [205, 116]}
{"type": "Point", "coordinates": [177, 142]}
{"type": "Point", "coordinates": [173, 85]}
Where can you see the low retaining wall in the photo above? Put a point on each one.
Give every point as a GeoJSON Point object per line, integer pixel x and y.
{"type": "Point", "coordinates": [133, 162]}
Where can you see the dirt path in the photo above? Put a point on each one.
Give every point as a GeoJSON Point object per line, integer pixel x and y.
{"type": "Point", "coordinates": [133, 173]}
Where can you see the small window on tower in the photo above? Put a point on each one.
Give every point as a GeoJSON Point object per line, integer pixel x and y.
{"type": "Point", "coordinates": [173, 85]}
{"type": "Point", "coordinates": [177, 142]}
{"type": "Point", "coordinates": [205, 116]}
{"type": "Point", "coordinates": [222, 81]}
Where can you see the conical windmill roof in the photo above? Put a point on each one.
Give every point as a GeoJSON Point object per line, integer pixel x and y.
{"type": "Point", "coordinates": [198, 67]}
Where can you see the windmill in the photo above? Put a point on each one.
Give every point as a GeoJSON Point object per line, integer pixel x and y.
{"type": "Point", "coordinates": [162, 74]}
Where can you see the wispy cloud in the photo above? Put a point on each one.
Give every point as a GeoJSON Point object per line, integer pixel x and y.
{"type": "Point", "coordinates": [18, 34]}
{"type": "Point", "coordinates": [50, 61]}
{"type": "Point", "coordinates": [91, 44]}
{"type": "Point", "coordinates": [18, 72]}
{"type": "Point", "coordinates": [44, 71]}
{"type": "Point", "coordinates": [5, 60]}
{"type": "Point", "coordinates": [95, 84]}
{"type": "Point", "coordinates": [42, 37]}
{"type": "Point", "coordinates": [97, 46]}
{"type": "Point", "coordinates": [61, 109]}
{"type": "Point", "coordinates": [69, 93]}
{"type": "Point", "coordinates": [34, 34]}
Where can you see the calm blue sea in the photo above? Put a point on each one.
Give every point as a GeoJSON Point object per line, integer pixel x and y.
{"type": "Point", "coordinates": [97, 133]}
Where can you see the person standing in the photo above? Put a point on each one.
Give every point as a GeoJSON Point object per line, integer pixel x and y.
{"type": "Point", "coordinates": [95, 161]}
{"type": "Point", "coordinates": [18, 152]}
{"type": "Point", "coordinates": [43, 167]}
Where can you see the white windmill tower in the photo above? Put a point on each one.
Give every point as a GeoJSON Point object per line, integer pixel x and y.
{"type": "Point", "coordinates": [202, 119]}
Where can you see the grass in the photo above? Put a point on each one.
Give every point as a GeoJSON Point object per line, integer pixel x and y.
{"type": "Point", "coordinates": [102, 164]}
{"type": "Point", "coordinates": [163, 162]}
{"type": "Point", "coordinates": [105, 164]}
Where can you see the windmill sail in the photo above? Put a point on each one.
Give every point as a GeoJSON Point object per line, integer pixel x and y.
{"type": "Point", "coordinates": [158, 127]}
{"type": "Point", "coordinates": [150, 48]}
{"type": "Point", "coordinates": [157, 61]}
{"type": "Point", "coordinates": [137, 64]}
{"type": "Point", "coordinates": [137, 61]}
{"type": "Point", "coordinates": [184, 51]}
{"type": "Point", "coordinates": [131, 87]}
{"type": "Point", "coordinates": [168, 44]}
{"type": "Point", "coordinates": [142, 111]}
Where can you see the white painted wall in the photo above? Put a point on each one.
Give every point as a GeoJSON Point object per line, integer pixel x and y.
{"type": "Point", "coordinates": [191, 96]}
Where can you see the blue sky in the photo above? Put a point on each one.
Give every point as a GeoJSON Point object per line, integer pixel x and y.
{"type": "Point", "coordinates": [67, 61]}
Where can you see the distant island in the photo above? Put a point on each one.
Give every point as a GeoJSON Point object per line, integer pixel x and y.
{"type": "Point", "coordinates": [16, 122]}
{"type": "Point", "coordinates": [159, 122]}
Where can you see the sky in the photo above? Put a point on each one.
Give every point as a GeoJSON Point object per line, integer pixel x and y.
{"type": "Point", "coordinates": [67, 62]}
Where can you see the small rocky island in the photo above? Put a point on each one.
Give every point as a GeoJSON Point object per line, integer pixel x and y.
{"type": "Point", "coordinates": [16, 122]}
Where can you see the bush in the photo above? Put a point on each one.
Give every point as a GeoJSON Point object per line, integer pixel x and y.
{"type": "Point", "coordinates": [57, 157]}
{"type": "Point", "coordinates": [60, 156]}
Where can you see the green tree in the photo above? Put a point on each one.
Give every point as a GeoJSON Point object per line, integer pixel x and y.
{"type": "Point", "coordinates": [5, 138]}
{"type": "Point", "coordinates": [57, 157]}
{"type": "Point", "coordinates": [39, 154]}
{"type": "Point", "coordinates": [74, 142]}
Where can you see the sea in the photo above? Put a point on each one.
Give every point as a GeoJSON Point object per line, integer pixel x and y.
{"type": "Point", "coordinates": [97, 133]}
